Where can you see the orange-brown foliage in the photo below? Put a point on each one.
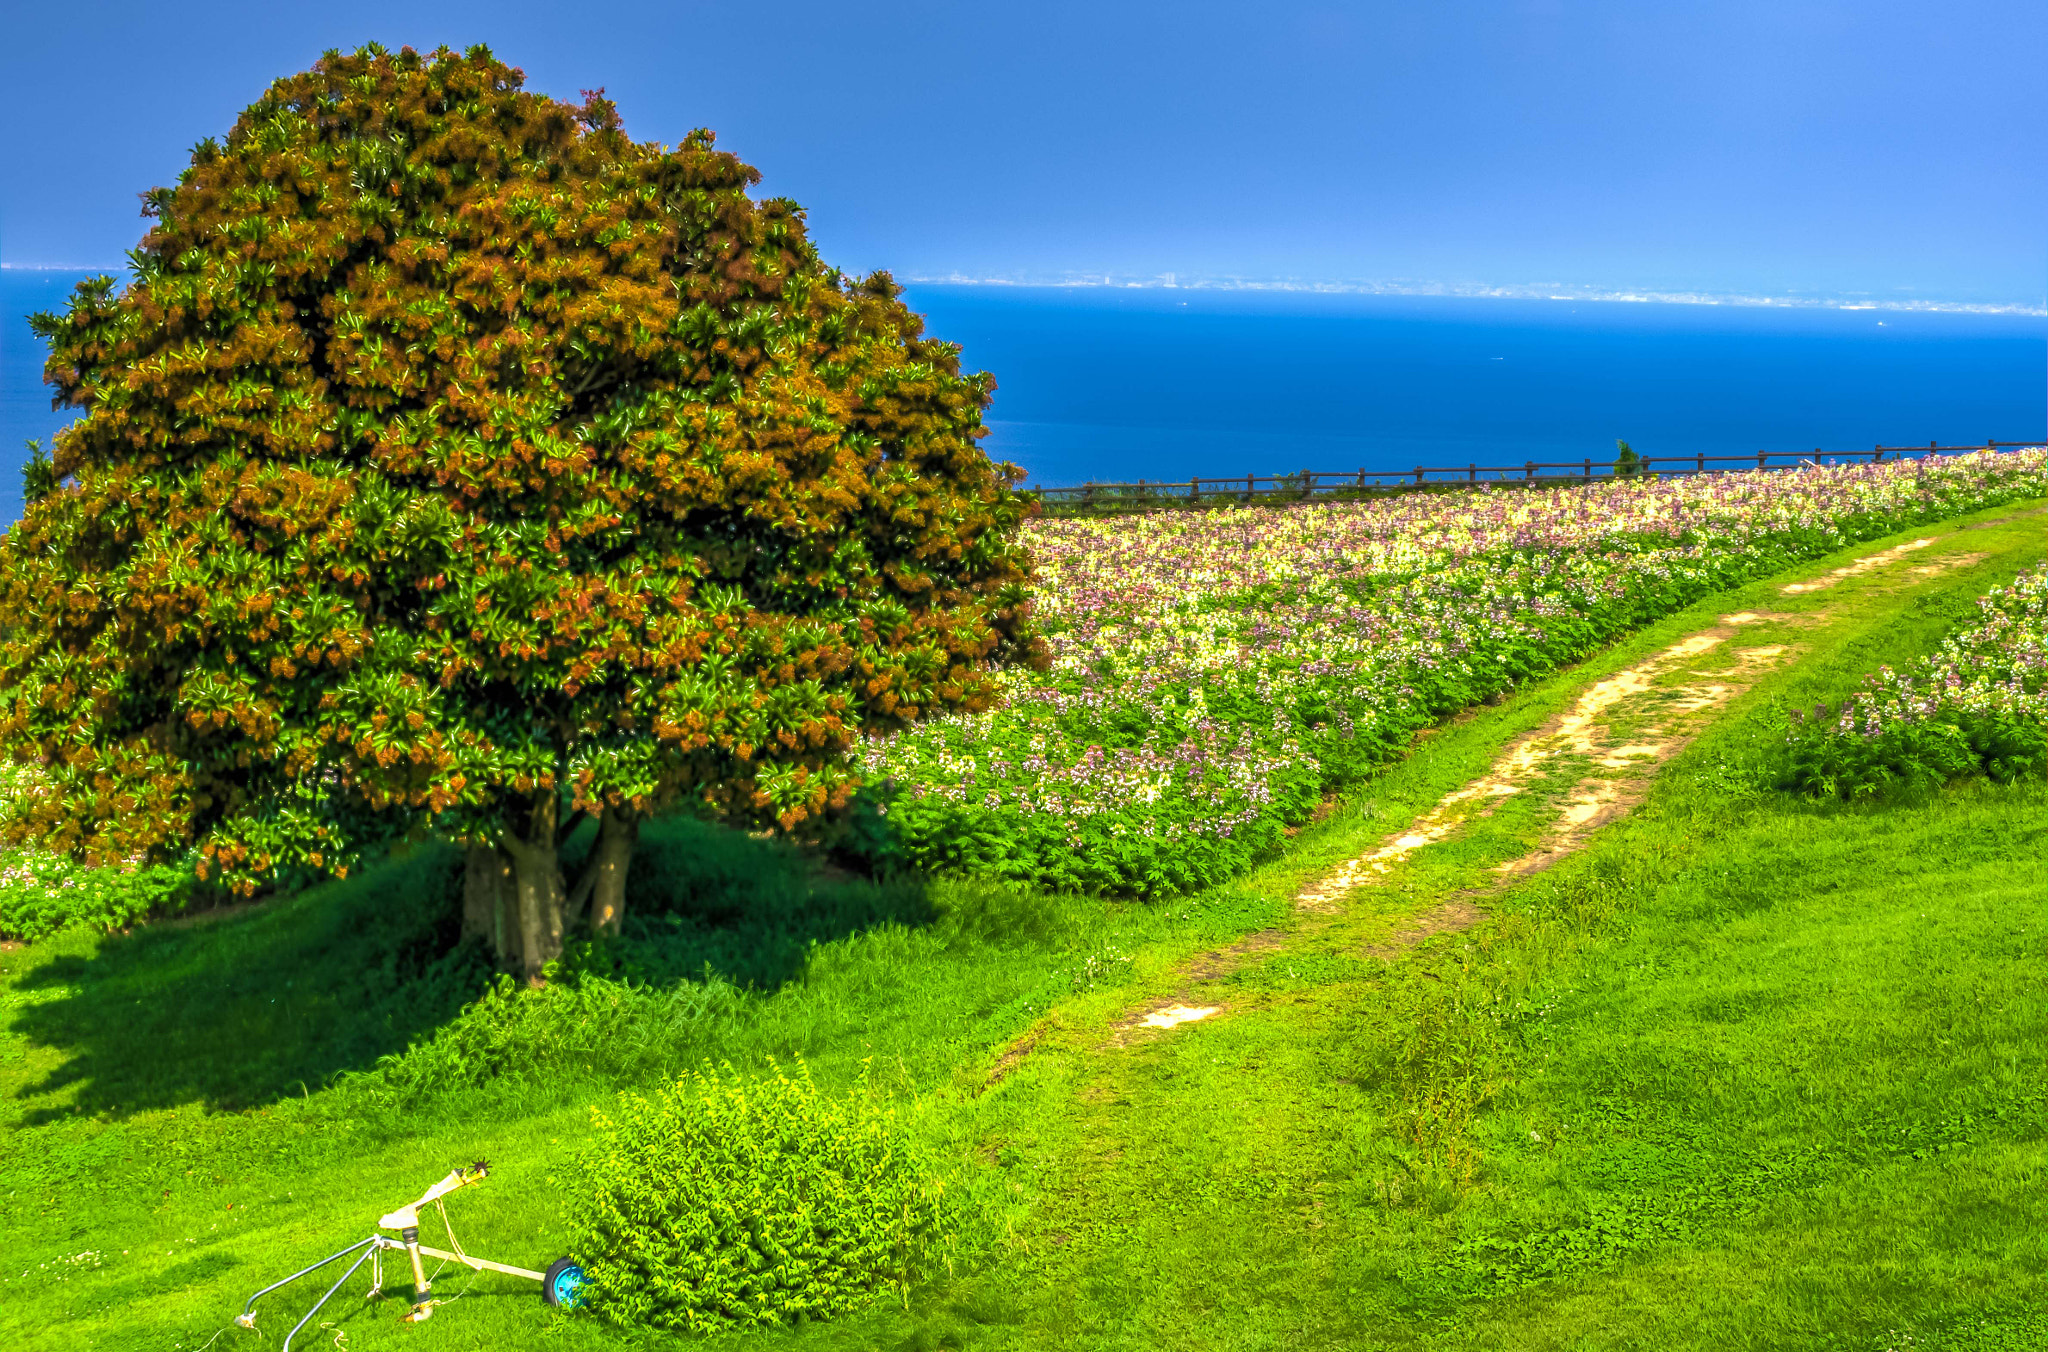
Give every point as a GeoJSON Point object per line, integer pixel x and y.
{"type": "Point", "coordinates": [449, 446]}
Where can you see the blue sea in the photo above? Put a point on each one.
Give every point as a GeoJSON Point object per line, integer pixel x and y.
{"type": "Point", "coordinates": [1113, 384]}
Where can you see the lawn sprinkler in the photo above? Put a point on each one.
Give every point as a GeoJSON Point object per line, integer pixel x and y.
{"type": "Point", "coordinates": [561, 1284]}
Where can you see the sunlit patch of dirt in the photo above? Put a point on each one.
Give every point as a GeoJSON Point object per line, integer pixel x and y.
{"type": "Point", "coordinates": [1947, 562]}
{"type": "Point", "coordinates": [1595, 801]}
{"type": "Point", "coordinates": [1661, 717]}
{"type": "Point", "coordinates": [1154, 1017]}
{"type": "Point", "coordinates": [1862, 565]}
{"type": "Point", "coordinates": [1178, 1015]}
{"type": "Point", "coordinates": [1621, 728]}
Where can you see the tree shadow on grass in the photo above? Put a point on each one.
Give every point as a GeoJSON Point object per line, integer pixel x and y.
{"type": "Point", "coordinates": [701, 896]}
{"type": "Point", "coordinates": [237, 1011]}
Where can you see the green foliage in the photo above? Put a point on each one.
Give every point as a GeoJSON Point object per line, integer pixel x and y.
{"type": "Point", "coordinates": [38, 473]}
{"type": "Point", "coordinates": [1977, 705]}
{"type": "Point", "coordinates": [1627, 464]}
{"type": "Point", "coordinates": [577, 1027]}
{"type": "Point", "coordinates": [1448, 1064]}
{"type": "Point", "coordinates": [235, 1011]}
{"type": "Point", "coordinates": [721, 1202]}
{"type": "Point", "coordinates": [1953, 744]}
{"type": "Point", "coordinates": [42, 893]}
{"type": "Point", "coordinates": [448, 451]}
{"type": "Point", "coordinates": [1196, 712]}
{"type": "Point", "coordinates": [706, 895]}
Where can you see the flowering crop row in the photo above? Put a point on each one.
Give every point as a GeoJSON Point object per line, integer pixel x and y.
{"type": "Point", "coordinates": [1214, 674]}
{"type": "Point", "coordinates": [1978, 704]}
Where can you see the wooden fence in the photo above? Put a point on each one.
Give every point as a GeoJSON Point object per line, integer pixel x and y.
{"type": "Point", "coordinates": [1307, 484]}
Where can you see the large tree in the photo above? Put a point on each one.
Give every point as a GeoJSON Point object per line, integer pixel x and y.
{"type": "Point", "coordinates": [452, 462]}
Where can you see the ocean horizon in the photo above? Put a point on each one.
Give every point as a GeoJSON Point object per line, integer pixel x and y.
{"type": "Point", "coordinates": [1108, 383]}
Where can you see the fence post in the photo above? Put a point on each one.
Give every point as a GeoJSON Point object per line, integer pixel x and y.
{"type": "Point", "coordinates": [1701, 467]}
{"type": "Point", "coordinates": [1248, 490]}
{"type": "Point", "coordinates": [1588, 475]}
{"type": "Point", "coordinates": [1759, 459]}
{"type": "Point", "coordinates": [1529, 470]}
{"type": "Point", "coordinates": [1194, 490]}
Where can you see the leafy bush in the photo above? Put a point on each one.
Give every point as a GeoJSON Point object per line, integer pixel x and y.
{"type": "Point", "coordinates": [42, 893]}
{"type": "Point", "coordinates": [1977, 705]}
{"type": "Point", "coordinates": [722, 1203]}
{"type": "Point", "coordinates": [1627, 464]}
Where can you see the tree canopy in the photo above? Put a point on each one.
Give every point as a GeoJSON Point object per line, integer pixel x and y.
{"type": "Point", "coordinates": [452, 461]}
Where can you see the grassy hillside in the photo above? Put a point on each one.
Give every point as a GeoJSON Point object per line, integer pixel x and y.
{"type": "Point", "coordinates": [1745, 1072]}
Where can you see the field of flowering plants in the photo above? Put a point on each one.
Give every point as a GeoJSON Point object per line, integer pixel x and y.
{"type": "Point", "coordinates": [1976, 705]}
{"type": "Point", "coordinates": [1215, 673]}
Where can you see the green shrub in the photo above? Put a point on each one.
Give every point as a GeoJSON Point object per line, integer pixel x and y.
{"type": "Point", "coordinates": [722, 1202]}
{"type": "Point", "coordinates": [1977, 705]}
{"type": "Point", "coordinates": [42, 893]}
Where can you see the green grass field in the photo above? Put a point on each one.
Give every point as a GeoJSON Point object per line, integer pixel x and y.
{"type": "Point", "coordinates": [1746, 1072]}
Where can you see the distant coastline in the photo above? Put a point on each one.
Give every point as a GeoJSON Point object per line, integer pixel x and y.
{"type": "Point", "coordinates": [1476, 291]}
{"type": "Point", "coordinates": [1169, 281]}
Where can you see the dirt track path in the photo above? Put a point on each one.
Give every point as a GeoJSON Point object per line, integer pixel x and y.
{"type": "Point", "coordinates": [1621, 728]}
{"type": "Point", "coordinates": [1593, 763]}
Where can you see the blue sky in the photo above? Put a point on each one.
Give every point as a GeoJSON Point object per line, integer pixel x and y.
{"type": "Point", "coordinates": [1883, 150]}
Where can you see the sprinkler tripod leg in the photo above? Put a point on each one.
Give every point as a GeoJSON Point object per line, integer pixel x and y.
{"type": "Point", "coordinates": [247, 1318]}
{"type": "Point", "coordinates": [421, 1306]}
{"type": "Point", "coordinates": [376, 1241]}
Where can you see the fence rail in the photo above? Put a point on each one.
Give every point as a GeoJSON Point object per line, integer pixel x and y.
{"type": "Point", "coordinates": [1306, 484]}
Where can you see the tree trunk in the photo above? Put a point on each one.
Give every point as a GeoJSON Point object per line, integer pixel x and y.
{"type": "Point", "coordinates": [486, 877]}
{"type": "Point", "coordinates": [537, 908]}
{"type": "Point", "coordinates": [617, 834]}
{"type": "Point", "coordinates": [505, 924]}
{"type": "Point", "coordinates": [537, 888]}
{"type": "Point", "coordinates": [513, 893]}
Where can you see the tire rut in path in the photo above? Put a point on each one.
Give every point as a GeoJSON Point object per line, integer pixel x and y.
{"type": "Point", "coordinates": [1623, 727]}
{"type": "Point", "coordinates": [1659, 716]}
